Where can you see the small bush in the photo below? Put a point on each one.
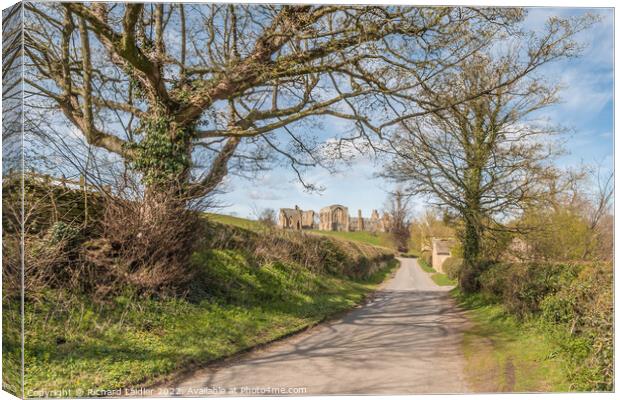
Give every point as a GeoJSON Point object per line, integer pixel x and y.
{"type": "Point", "coordinates": [145, 244]}
{"type": "Point", "coordinates": [61, 231]}
{"type": "Point", "coordinates": [452, 267]}
{"type": "Point", "coordinates": [52, 259]}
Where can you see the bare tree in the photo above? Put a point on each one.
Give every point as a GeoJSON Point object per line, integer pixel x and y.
{"type": "Point", "coordinates": [12, 100]}
{"type": "Point", "coordinates": [602, 197]}
{"type": "Point", "coordinates": [399, 213]}
{"type": "Point", "coordinates": [267, 217]}
{"type": "Point", "coordinates": [428, 225]}
{"type": "Point", "coordinates": [599, 215]}
{"type": "Point", "coordinates": [182, 95]}
{"type": "Point", "coordinates": [482, 159]}
{"type": "Point", "coordinates": [180, 92]}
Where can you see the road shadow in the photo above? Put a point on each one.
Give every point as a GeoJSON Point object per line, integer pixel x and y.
{"type": "Point", "coordinates": [393, 327]}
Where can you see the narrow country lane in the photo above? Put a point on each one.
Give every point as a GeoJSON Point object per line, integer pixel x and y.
{"type": "Point", "coordinates": [405, 341]}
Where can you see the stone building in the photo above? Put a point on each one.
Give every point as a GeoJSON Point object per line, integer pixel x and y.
{"type": "Point", "coordinates": [334, 218]}
{"type": "Point", "coordinates": [360, 221]}
{"type": "Point", "coordinates": [374, 224]}
{"type": "Point", "coordinates": [290, 218]}
{"type": "Point", "coordinates": [357, 223]}
{"type": "Point", "coordinates": [296, 218]}
{"type": "Point", "coordinates": [386, 223]}
{"type": "Point", "coordinates": [441, 250]}
{"type": "Point", "coordinates": [307, 219]}
{"type": "Point", "coordinates": [378, 223]}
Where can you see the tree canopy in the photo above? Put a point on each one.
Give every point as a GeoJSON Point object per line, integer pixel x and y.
{"type": "Point", "coordinates": [183, 94]}
{"type": "Point", "coordinates": [485, 158]}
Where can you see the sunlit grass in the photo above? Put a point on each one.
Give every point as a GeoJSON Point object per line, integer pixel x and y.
{"type": "Point", "coordinates": [135, 341]}
{"type": "Point", "coordinates": [442, 279]}
{"type": "Point", "coordinates": [235, 221]}
{"type": "Point", "coordinates": [425, 267]}
{"type": "Point", "coordinates": [376, 239]}
{"type": "Point", "coordinates": [505, 355]}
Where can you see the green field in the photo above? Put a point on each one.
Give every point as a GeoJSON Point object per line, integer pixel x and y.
{"type": "Point", "coordinates": [235, 221]}
{"type": "Point", "coordinates": [375, 239]}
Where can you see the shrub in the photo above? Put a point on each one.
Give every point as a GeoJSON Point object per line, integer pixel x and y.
{"type": "Point", "coordinates": [61, 231]}
{"type": "Point", "coordinates": [572, 300]}
{"type": "Point", "coordinates": [493, 281]}
{"type": "Point", "coordinates": [522, 287]}
{"type": "Point", "coordinates": [146, 244]}
{"type": "Point", "coordinates": [452, 267]}
{"type": "Point", "coordinates": [51, 259]}
{"type": "Point", "coordinates": [427, 257]}
{"type": "Point", "coordinates": [584, 307]}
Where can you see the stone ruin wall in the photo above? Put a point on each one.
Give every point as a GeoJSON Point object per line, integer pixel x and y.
{"type": "Point", "coordinates": [332, 218]}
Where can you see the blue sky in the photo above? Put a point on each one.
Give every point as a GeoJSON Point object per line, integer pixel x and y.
{"type": "Point", "coordinates": [586, 108]}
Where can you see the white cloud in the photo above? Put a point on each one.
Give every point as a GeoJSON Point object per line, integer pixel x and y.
{"type": "Point", "coordinates": [257, 194]}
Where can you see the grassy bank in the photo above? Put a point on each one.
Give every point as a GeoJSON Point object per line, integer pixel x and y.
{"type": "Point", "coordinates": [437, 277]}
{"type": "Point", "coordinates": [506, 355]}
{"type": "Point", "coordinates": [572, 303]}
{"type": "Point", "coordinates": [250, 288]}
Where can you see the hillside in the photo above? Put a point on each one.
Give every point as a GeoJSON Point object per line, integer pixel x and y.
{"type": "Point", "coordinates": [249, 286]}
{"type": "Point", "coordinates": [235, 221]}
{"type": "Point", "coordinates": [376, 239]}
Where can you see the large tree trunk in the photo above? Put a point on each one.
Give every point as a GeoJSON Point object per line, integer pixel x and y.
{"type": "Point", "coordinates": [152, 235]}
{"type": "Point", "coordinates": [471, 239]}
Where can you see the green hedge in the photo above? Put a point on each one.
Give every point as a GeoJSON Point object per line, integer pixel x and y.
{"type": "Point", "coordinates": [573, 301]}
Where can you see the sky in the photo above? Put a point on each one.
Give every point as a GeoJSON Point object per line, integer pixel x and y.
{"type": "Point", "coordinates": [585, 109]}
{"type": "Point", "coordinates": [586, 106]}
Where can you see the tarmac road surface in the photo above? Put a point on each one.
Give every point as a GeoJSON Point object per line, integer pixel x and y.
{"type": "Point", "coordinates": [404, 341]}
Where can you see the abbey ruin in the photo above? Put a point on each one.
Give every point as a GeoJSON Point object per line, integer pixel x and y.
{"type": "Point", "coordinates": [332, 218]}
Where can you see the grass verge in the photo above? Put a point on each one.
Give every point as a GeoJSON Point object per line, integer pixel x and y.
{"type": "Point", "coordinates": [437, 277]}
{"type": "Point", "coordinates": [505, 355]}
{"type": "Point", "coordinates": [443, 280]}
{"type": "Point", "coordinates": [74, 344]}
{"type": "Point", "coordinates": [425, 267]}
